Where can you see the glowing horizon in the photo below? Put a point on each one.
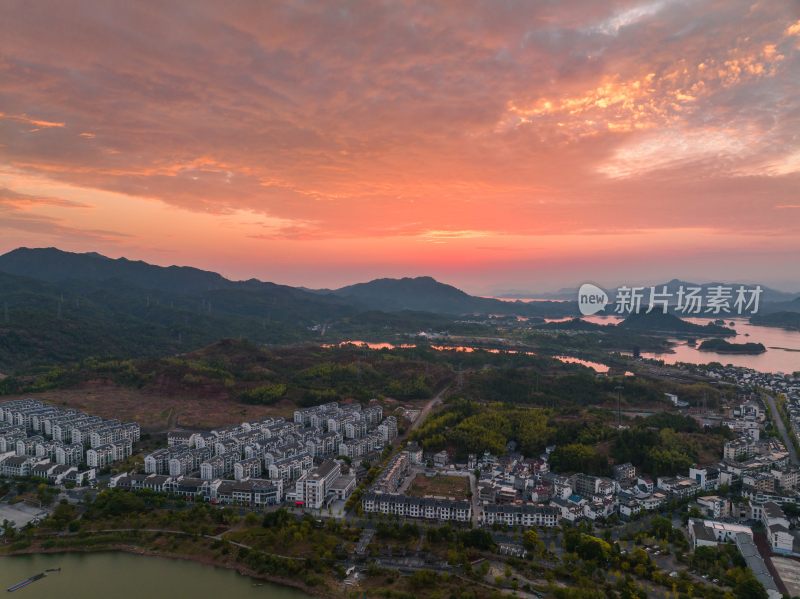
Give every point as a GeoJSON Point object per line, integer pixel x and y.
{"type": "Point", "coordinates": [494, 147]}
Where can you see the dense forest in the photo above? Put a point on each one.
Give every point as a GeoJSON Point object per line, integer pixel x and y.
{"type": "Point", "coordinates": [586, 441]}
{"type": "Point", "coordinates": [239, 370]}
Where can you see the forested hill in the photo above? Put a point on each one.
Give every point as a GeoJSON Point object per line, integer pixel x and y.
{"type": "Point", "coordinates": [58, 306]}
{"type": "Point", "coordinates": [429, 295]}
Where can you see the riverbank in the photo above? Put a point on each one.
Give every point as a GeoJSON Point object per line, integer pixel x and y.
{"type": "Point", "coordinates": [204, 560]}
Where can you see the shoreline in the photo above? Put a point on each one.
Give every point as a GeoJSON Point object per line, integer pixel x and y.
{"type": "Point", "coordinates": [205, 561]}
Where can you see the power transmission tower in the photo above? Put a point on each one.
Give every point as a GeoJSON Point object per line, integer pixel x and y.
{"type": "Point", "coordinates": [619, 404]}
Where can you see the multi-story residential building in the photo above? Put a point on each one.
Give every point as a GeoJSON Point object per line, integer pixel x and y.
{"type": "Point", "coordinates": [290, 468]}
{"type": "Point", "coordinates": [415, 454]}
{"type": "Point", "coordinates": [442, 510]}
{"type": "Point", "coordinates": [105, 455]}
{"type": "Point", "coordinates": [69, 454]}
{"type": "Point", "coordinates": [59, 435]}
{"type": "Point", "coordinates": [323, 444]}
{"type": "Point", "coordinates": [786, 479]}
{"type": "Point", "coordinates": [46, 449]}
{"type": "Point", "coordinates": [707, 478]}
{"type": "Point", "coordinates": [113, 433]}
{"type": "Point", "coordinates": [526, 515]}
{"type": "Point", "coordinates": [250, 468]}
{"type": "Point", "coordinates": [18, 465]}
{"type": "Point", "coordinates": [312, 489]}
{"type": "Point", "coordinates": [679, 487]}
{"type": "Point", "coordinates": [711, 532]}
{"type": "Point", "coordinates": [27, 445]}
{"type": "Point", "coordinates": [9, 438]}
{"type": "Point", "coordinates": [623, 472]}
{"type": "Point", "coordinates": [157, 462]}
{"type": "Point", "coordinates": [714, 507]}
{"type": "Point", "coordinates": [355, 429]}
{"type": "Point", "coordinates": [100, 456]}
{"type": "Point", "coordinates": [179, 439]}
{"type": "Point", "coordinates": [388, 429]}
{"type": "Point", "coordinates": [759, 481]}
{"type": "Point", "coordinates": [219, 466]}
{"type": "Point", "coordinates": [739, 449]}
{"type": "Point", "coordinates": [394, 473]}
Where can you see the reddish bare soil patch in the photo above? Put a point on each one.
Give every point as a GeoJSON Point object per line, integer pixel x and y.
{"type": "Point", "coordinates": [156, 411]}
{"type": "Point", "coordinates": [440, 485]}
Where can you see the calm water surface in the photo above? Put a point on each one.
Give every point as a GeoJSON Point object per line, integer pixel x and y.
{"type": "Point", "coordinates": [782, 355]}
{"type": "Point", "coordinates": [779, 356]}
{"type": "Point", "coordinates": [126, 576]}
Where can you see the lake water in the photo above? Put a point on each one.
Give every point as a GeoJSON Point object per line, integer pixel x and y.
{"type": "Point", "coordinates": [127, 576]}
{"type": "Point", "coordinates": [777, 358]}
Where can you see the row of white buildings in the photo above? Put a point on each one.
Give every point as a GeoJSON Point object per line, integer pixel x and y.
{"type": "Point", "coordinates": [384, 496]}
{"type": "Point", "coordinates": [33, 429]}
{"type": "Point", "coordinates": [314, 489]}
{"type": "Point", "coordinates": [275, 449]}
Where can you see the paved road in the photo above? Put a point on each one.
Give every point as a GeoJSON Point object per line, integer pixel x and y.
{"type": "Point", "coordinates": [431, 403]}
{"type": "Point", "coordinates": [776, 418]}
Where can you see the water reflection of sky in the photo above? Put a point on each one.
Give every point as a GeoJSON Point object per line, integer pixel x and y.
{"type": "Point", "coordinates": [777, 358]}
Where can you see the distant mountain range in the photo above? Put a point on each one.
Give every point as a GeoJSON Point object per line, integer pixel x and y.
{"type": "Point", "coordinates": [669, 323]}
{"type": "Point", "coordinates": [58, 306]}
{"type": "Point", "coordinates": [655, 322]}
{"type": "Point", "coordinates": [768, 295]}
{"type": "Point", "coordinates": [429, 295]}
{"type": "Point", "coordinates": [784, 320]}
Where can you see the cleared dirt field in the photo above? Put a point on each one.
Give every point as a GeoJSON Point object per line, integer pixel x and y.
{"type": "Point", "coordinates": [441, 486]}
{"type": "Point", "coordinates": [789, 571]}
{"type": "Point", "coordinates": [156, 412]}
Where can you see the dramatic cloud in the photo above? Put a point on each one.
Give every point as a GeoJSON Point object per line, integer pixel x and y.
{"type": "Point", "coordinates": [438, 130]}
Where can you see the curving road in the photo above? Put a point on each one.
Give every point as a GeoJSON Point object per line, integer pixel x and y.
{"type": "Point", "coordinates": [426, 409]}
{"type": "Point", "coordinates": [778, 421]}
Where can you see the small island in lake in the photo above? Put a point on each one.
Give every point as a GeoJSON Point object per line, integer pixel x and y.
{"type": "Point", "coordinates": [789, 321]}
{"type": "Point", "coordinates": [722, 346]}
{"type": "Point", "coordinates": [657, 322]}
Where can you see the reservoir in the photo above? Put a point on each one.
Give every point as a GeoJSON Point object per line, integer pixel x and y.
{"type": "Point", "coordinates": [127, 576]}
{"type": "Point", "coordinates": [782, 355]}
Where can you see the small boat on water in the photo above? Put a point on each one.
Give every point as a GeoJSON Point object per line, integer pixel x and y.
{"type": "Point", "coordinates": [26, 582]}
{"type": "Point", "coordinates": [32, 579]}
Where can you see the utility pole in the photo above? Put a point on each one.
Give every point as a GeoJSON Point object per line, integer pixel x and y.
{"type": "Point", "coordinates": [619, 409]}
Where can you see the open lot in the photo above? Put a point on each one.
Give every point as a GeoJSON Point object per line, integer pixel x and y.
{"type": "Point", "coordinates": [156, 411]}
{"type": "Point", "coordinates": [20, 513]}
{"type": "Point", "coordinates": [789, 571]}
{"type": "Point", "coordinates": [439, 485]}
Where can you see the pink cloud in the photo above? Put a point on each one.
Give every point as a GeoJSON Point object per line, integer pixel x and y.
{"type": "Point", "coordinates": [377, 121]}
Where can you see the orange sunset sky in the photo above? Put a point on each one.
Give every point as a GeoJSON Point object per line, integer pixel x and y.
{"type": "Point", "coordinates": [494, 145]}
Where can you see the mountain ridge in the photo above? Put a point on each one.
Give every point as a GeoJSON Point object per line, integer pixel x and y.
{"type": "Point", "coordinates": [417, 294]}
